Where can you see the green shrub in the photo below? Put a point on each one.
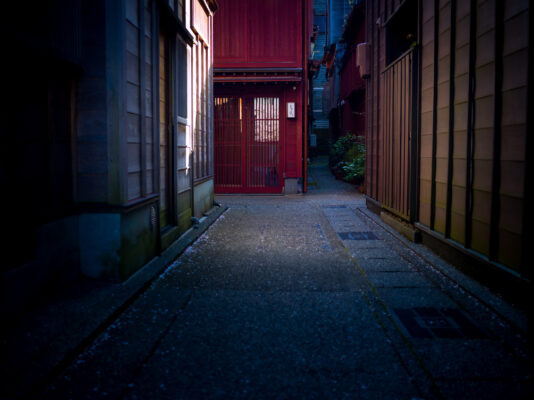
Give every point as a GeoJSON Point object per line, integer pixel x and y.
{"type": "Point", "coordinates": [348, 156]}
{"type": "Point", "coordinates": [340, 148]}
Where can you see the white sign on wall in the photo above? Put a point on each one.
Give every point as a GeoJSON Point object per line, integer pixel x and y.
{"type": "Point", "coordinates": [291, 110]}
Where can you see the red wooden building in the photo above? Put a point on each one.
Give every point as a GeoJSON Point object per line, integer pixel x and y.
{"type": "Point", "coordinates": [260, 75]}
{"type": "Point", "coordinates": [351, 84]}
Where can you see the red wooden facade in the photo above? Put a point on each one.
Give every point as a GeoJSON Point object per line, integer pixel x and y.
{"type": "Point", "coordinates": [260, 58]}
{"type": "Point", "coordinates": [351, 84]}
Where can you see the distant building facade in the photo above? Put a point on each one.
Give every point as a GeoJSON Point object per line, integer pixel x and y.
{"type": "Point", "coordinates": [332, 17]}
{"type": "Point", "coordinates": [319, 116]}
{"type": "Point", "coordinates": [352, 85]}
{"type": "Point", "coordinates": [106, 137]}
{"type": "Point", "coordinates": [261, 95]}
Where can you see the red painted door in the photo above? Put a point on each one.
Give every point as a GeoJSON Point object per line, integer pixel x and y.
{"type": "Point", "coordinates": [248, 144]}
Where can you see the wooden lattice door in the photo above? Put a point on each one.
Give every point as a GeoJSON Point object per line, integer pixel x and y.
{"type": "Point", "coordinates": [247, 144]}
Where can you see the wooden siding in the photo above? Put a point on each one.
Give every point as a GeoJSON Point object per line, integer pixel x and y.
{"type": "Point", "coordinates": [390, 124]}
{"type": "Point", "coordinates": [511, 199]}
{"type": "Point", "coordinates": [350, 79]}
{"type": "Point", "coordinates": [427, 93]}
{"type": "Point", "coordinates": [483, 189]}
{"type": "Point", "coordinates": [250, 36]}
{"type": "Point", "coordinates": [472, 122]}
{"type": "Point", "coordinates": [201, 21]}
{"type": "Point", "coordinates": [183, 140]}
{"type": "Point", "coordinates": [139, 98]}
{"type": "Point", "coordinates": [165, 158]}
{"type": "Point", "coordinates": [459, 127]}
{"type": "Point", "coordinates": [202, 140]}
{"type": "Point", "coordinates": [258, 34]}
{"type": "Point", "coordinates": [397, 102]}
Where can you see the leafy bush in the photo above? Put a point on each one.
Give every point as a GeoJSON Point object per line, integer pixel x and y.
{"type": "Point", "coordinates": [348, 157]}
{"type": "Point", "coordinates": [340, 148]}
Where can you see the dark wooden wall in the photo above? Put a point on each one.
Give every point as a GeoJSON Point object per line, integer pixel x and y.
{"type": "Point", "coordinates": [473, 156]}
{"type": "Point", "coordinates": [389, 118]}
{"type": "Point", "coordinates": [470, 125]}
{"type": "Point", "coordinates": [140, 53]}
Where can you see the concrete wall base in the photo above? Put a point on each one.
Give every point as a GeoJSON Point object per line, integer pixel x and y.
{"type": "Point", "coordinates": [291, 186]}
{"type": "Point", "coordinates": [404, 228]}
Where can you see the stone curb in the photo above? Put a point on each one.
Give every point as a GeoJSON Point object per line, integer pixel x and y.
{"type": "Point", "coordinates": [404, 228]}
{"type": "Point", "coordinates": [509, 312]}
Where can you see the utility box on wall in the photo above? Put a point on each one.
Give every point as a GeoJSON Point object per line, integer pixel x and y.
{"type": "Point", "coordinates": [363, 52]}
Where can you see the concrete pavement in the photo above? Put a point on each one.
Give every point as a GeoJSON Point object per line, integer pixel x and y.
{"type": "Point", "coordinates": [302, 296]}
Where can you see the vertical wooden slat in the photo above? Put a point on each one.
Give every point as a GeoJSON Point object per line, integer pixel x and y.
{"type": "Point", "coordinates": [142, 89]}
{"type": "Point", "coordinates": [497, 131]}
{"type": "Point", "coordinates": [395, 175]}
{"type": "Point", "coordinates": [371, 134]}
{"type": "Point", "coordinates": [526, 233]}
{"type": "Point", "coordinates": [408, 135]}
{"type": "Point", "coordinates": [396, 124]}
{"type": "Point", "coordinates": [227, 131]}
{"type": "Point", "coordinates": [227, 150]}
{"type": "Point", "coordinates": [230, 121]}
{"type": "Point", "coordinates": [382, 137]}
{"type": "Point", "coordinates": [434, 117]}
{"type": "Point", "coordinates": [263, 144]}
{"type": "Point", "coordinates": [162, 129]}
{"type": "Point", "coordinates": [390, 155]}
{"type": "Point", "coordinates": [451, 118]}
{"type": "Point", "coordinates": [380, 153]}
{"type": "Point", "coordinates": [403, 138]}
{"type": "Point", "coordinates": [155, 101]}
{"type": "Point", "coordinates": [385, 118]}
{"type": "Point", "coordinates": [470, 125]}
{"type": "Point", "coordinates": [415, 129]}
{"type": "Point", "coordinates": [411, 121]}
{"type": "Point", "coordinates": [402, 133]}
{"type": "Point", "coordinates": [393, 145]}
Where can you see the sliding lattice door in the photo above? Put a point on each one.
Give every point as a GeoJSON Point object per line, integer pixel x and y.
{"type": "Point", "coordinates": [247, 145]}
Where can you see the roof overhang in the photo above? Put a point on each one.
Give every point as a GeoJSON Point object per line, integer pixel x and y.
{"type": "Point", "coordinates": [257, 75]}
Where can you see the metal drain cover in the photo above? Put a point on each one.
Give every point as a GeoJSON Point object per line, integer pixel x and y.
{"type": "Point", "coordinates": [445, 323]}
{"type": "Point", "coordinates": [357, 236]}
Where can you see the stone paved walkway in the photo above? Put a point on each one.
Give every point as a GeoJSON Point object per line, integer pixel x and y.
{"type": "Point", "coordinates": [306, 297]}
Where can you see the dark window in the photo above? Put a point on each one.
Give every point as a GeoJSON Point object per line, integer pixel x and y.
{"type": "Point", "coordinates": [181, 50]}
{"type": "Point", "coordinates": [202, 140]}
{"type": "Point", "coordinates": [320, 21]}
{"type": "Point", "coordinates": [401, 31]}
{"type": "Point", "coordinates": [165, 131]}
{"type": "Point", "coordinates": [178, 8]}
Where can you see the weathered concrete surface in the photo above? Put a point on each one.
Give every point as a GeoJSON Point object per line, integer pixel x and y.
{"type": "Point", "coordinates": [305, 297]}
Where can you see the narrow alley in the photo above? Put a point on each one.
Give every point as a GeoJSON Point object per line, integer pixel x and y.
{"type": "Point", "coordinates": [243, 199]}
{"type": "Point", "coordinates": [303, 296]}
